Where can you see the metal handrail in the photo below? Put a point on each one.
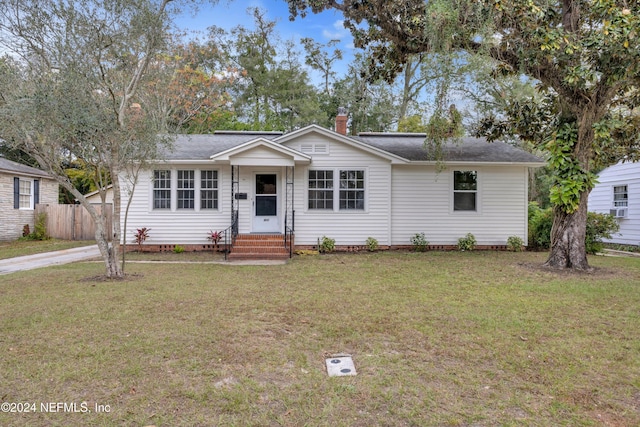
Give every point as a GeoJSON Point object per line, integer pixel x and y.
{"type": "Point", "coordinates": [288, 233]}
{"type": "Point", "coordinates": [230, 234]}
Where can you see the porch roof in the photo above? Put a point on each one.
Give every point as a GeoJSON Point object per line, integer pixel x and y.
{"type": "Point", "coordinates": [261, 152]}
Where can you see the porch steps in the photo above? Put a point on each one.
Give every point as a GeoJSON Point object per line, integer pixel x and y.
{"type": "Point", "coordinates": [258, 247]}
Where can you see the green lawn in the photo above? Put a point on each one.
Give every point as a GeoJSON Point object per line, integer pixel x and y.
{"type": "Point", "coordinates": [438, 339]}
{"type": "Point", "coordinates": [30, 247]}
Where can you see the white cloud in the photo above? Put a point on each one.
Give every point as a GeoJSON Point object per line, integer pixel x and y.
{"type": "Point", "coordinates": [338, 32]}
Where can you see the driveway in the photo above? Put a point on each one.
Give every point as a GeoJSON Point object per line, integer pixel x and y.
{"type": "Point", "coordinates": [29, 262]}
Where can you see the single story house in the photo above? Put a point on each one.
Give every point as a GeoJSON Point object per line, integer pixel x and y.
{"type": "Point", "coordinates": [316, 182]}
{"type": "Point", "coordinates": [618, 193]}
{"type": "Point", "coordinates": [21, 189]}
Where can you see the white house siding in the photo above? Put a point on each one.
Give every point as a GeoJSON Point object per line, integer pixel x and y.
{"type": "Point", "coordinates": [346, 227]}
{"type": "Point", "coordinates": [423, 203]}
{"type": "Point", "coordinates": [176, 226]}
{"type": "Point", "coordinates": [601, 200]}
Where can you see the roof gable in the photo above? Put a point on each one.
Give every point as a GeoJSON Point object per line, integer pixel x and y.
{"type": "Point", "coordinates": [335, 136]}
{"type": "Point", "coordinates": [261, 151]}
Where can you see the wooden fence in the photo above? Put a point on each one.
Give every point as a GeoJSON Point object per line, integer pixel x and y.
{"type": "Point", "coordinates": [72, 222]}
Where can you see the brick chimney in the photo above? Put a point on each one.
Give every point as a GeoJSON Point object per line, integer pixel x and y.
{"type": "Point", "coordinates": [341, 121]}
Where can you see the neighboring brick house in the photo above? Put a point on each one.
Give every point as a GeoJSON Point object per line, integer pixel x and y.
{"type": "Point", "coordinates": [21, 188]}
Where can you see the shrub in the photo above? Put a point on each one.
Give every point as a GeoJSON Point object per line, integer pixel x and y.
{"type": "Point", "coordinates": [40, 227]}
{"type": "Point", "coordinates": [515, 243]}
{"type": "Point", "coordinates": [467, 243]}
{"type": "Point", "coordinates": [140, 236]}
{"type": "Point", "coordinates": [540, 223]}
{"type": "Point", "coordinates": [599, 226]}
{"type": "Point", "coordinates": [419, 242]}
{"type": "Point", "coordinates": [372, 244]}
{"type": "Point", "coordinates": [178, 249]}
{"type": "Point", "coordinates": [326, 244]}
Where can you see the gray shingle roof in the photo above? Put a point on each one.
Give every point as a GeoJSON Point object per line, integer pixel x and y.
{"type": "Point", "coordinates": [201, 147]}
{"type": "Point", "coordinates": [7, 165]}
{"type": "Point", "coordinates": [412, 147]}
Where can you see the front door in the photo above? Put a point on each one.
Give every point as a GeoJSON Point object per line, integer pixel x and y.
{"type": "Point", "coordinates": [265, 204]}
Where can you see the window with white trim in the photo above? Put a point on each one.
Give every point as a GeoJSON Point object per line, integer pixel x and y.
{"type": "Point", "coordinates": [162, 189]}
{"type": "Point", "coordinates": [465, 190]}
{"type": "Point", "coordinates": [620, 196]}
{"type": "Point", "coordinates": [186, 189]}
{"type": "Point", "coordinates": [26, 194]}
{"type": "Point", "coordinates": [321, 189]}
{"type": "Point", "coordinates": [351, 190]}
{"type": "Point", "coordinates": [209, 190]}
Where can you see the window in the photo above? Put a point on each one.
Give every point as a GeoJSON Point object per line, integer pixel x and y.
{"type": "Point", "coordinates": [162, 189]}
{"type": "Point", "coordinates": [321, 189]}
{"type": "Point", "coordinates": [25, 194]}
{"type": "Point", "coordinates": [186, 189]}
{"type": "Point", "coordinates": [352, 190]}
{"type": "Point", "coordinates": [620, 196]}
{"type": "Point", "coordinates": [465, 189]}
{"type": "Point", "coordinates": [209, 190]}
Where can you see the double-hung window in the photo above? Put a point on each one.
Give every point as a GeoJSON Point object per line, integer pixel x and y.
{"type": "Point", "coordinates": [351, 190]}
{"type": "Point", "coordinates": [209, 190]}
{"type": "Point", "coordinates": [162, 189]}
{"type": "Point", "coordinates": [620, 196]}
{"type": "Point", "coordinates": [25, 194]}
{"type": "Point", "coordinates": [465, 190]}
{"type": "Point", "coordinates": [321, 189]}
{"type": "Point", "coordinates": [186, 189]}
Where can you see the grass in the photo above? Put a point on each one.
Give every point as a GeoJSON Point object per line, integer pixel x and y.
{"type": "Point", "coordinates": [30, 247]}
{"type": "Point", "coordinates": [438, 339]}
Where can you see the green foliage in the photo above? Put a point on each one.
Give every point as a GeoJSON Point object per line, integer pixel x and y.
{"type": "Point", "coordinates": [326, 244]}
{"type": "Point", "coordinates": [413, 124]}
{"type": "Point", "coordinates": [419, 242]}
{"type": "Point", "coordinates": [372, 244]}
{"type": "Point", "coordinates": [540, 223]}
{"type": "Point", "coordinates": [599, 226]}
{"type": "Point", "coordinates": [515, 243]}
{"type": "Point", "coordinates": [467, 243]}
{"type": "Point", "coordinates": [39, 229]}
{"type": "Point", "coordinates": [178, 249]}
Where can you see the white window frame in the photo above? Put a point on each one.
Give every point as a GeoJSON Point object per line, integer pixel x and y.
{"type": "Point", "coordinates": [325, 189]}
{"type": "Point", "coordinates": [186, 189]}
{"type": "Point", "coordinates": [342, 190]}
{"type": "Point", "coordinates": [196, 190]}
{"type": "Point", "coordinates": [455, 191]}
{"type": "Point", "coordinates": [337, 190]}
{"type": "Point", "coordinates": [29, 196]}
{"type": "Point", "coordinates": [215, 189]}
{"type": "Point", "coordinates": [624, 201]}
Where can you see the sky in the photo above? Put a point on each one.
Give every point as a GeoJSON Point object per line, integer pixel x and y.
{"type": "Point", "coordinates": [228, 14]}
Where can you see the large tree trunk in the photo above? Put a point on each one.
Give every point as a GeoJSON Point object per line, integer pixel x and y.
{"type": "Point", "coordinates": [568, 238]}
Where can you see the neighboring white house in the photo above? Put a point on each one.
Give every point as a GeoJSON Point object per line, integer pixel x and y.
{"type": "Point", "coordinates": [618, 193]}
{"type": "Point", "coordinates": [95, 198]}
{"type": "Point", "coordinates": [21, 189]}
{"type": "Point", "coordinates": [319, 182]}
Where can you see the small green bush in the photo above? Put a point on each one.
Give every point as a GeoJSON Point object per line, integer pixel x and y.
{"type": "Point", "coordinates": [372, 244]}
{"type": "Point", "coordinates": [515, 243]}
{"type": "Point", "coordinates": [326, 244]}
{"type": "Point", "coordinates": [419, 242]}
{"type": "Point", "coordinates": [599, 226]}
{"type": "Point", "coordinates": [467, 243]}
{"type": "Point", "coordinates": [178, 249]}
{"type": "Point", "coordinates": [39, 229]}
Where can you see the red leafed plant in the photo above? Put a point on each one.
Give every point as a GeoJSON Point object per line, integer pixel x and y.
{"type": "Point", "coordinates": [214, 236]}
{"type": "Point", "coordinates": [140, 236]}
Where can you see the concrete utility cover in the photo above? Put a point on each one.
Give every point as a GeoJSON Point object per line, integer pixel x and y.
{"type": "Point", "coordinates": [340, 366]}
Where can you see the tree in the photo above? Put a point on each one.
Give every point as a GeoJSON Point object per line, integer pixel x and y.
{"type": "Point", "coordinates": [320, 60]}
{"type": "Point", "coordinates": [79, 66]}
{"type": "Point", "coordinates": [585, 55]}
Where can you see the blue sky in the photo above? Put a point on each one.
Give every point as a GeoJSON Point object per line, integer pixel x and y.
{"type": "Point", "coordinates": [229, 14]}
